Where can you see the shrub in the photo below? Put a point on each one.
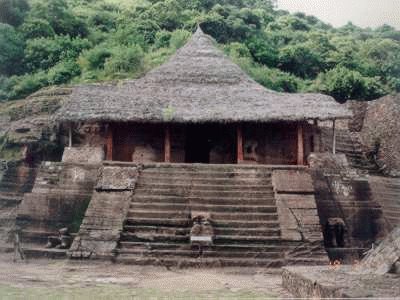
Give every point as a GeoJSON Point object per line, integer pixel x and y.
{"type": "Point", "coordinates": [178, 38]}
{"type": "Point", "coordinates": [124, 60]}
{"type": "Point", "coordinates": [63, 72]}
{"type": "Point", "coordinates": [36, 28]}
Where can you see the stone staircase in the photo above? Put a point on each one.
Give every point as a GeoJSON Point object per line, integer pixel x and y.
{"type": "Point", "coordinates": [239, 200]}
{"type": "Point", "coordinates": [386, 191]}
{"type": "Point", "coordinates": [17, 179]}
{"type": "Point", "coordinates": [58, 199]}
{"type": "Point", "coordinates": [349, 144]}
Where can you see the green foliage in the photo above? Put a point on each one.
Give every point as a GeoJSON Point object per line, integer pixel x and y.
{"type": "Point", "coordinates": [11, 50]}
{"type": "Point", "coordinates": [36, 28]}
{"type": "Point", "coordinates": [13, 12]}
{"type": "Point", "coordinates": [62, 41]}
{"type": "Point", "coordinates": [43, 53]}
{"type": "Point", "coordinates": [124, 60]}
{"type": "Point", "coordinates": [345, 84]}
{"type": "Point", "coordinates": [63, 72]}
{"type": "Point", "coordinates": [179, 38]}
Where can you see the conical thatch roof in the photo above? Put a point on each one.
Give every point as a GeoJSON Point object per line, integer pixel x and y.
{"type": "Point", "coordinates": [198, 84]}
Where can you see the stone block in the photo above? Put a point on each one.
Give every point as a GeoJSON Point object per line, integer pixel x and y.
{"type": "Point", "coordinates": [91, 155]}
{"type": "Point", "coordinates": [290, 181]}
{"type": "Point", "coordinates": [117, 178]}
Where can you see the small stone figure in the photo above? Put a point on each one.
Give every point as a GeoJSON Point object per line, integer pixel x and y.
{"type": "Point", "coordinates": [335, 230]}
{"type": "Point", "coordinates": [17, 245]}
{"type": "Point", "coordinates": [202, 232]}
{"type": "Point", "coordinates": [62, 241]}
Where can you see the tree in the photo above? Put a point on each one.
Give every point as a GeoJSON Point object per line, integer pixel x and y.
{"type": "Point", "coordinates": [344, 84]}
{"type": "Point", "coordinates": [124, 60]}
{"type": "Point", "coordinates": [36, 28]}
{"type": "Point", "coordinates": [13, 12]}
{"type": "Point", "coordinates": [43, 53]}
{"type": "Point", "coordinates": [60, 17]}
{"type": "Point", "coordinates": [11, 50]}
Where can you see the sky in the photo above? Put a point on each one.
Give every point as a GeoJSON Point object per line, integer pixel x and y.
{"type": "Point", "coordinates": [363, 13]}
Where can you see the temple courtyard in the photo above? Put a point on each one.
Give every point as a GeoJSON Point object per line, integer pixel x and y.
{"type": "Point", "coordinates": [61, 279]}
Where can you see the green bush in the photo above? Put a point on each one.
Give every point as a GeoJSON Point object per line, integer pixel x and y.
{"type": "Point", "coordinates": [36, 28]}
{"type": "Point", "coordinates": [63, 72]}
{"type": "Point", "coordinates": [179, 38]}
{"type": "Point", "coordinates": [27, 84]}
{"type": "Point", "coordinates": [95, 58]}
{"type": "Point", "coordinates": [11, 50]}
{"type": "Point", "coordinates": [43, 53]}
{"type": "Point", "coordinates": [124, 60]}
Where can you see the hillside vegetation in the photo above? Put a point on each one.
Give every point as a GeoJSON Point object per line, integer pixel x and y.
{"type": "Point", "coordinates": [53, 42]}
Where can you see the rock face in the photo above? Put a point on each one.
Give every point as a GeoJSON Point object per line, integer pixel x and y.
{"type": "Point", "coordinates": [380, 133]}
{"type": "Point", "coordinates": [381, 259]}
{"type": "Point", "coordinates": [27, 128]}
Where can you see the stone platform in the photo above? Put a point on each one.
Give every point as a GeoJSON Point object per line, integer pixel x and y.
{"type": "Point", "coordinates": [339, 282]}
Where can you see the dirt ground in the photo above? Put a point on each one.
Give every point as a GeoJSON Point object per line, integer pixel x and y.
{"type": "Point", "coordinates": [63, 279]}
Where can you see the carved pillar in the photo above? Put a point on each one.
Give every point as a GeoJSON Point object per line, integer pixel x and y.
{"type": "Point", "coordinates": [300, 144]}
{"type": "Point", "coordinates": [167, 144]}
{"type": "Point", "coordinates": [109, 143]}
{"type": "Point", "coordinates": [239, 135]}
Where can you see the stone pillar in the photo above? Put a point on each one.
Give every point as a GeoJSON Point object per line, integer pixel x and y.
{"type": "Point", "coordinates": [239, 135]}
{"type": "Point", "coordinates": [70, 135]}
{"type": "Point", "coordinates": [167, 144]}
{"type": "Point", "coordinates": [300, 144]}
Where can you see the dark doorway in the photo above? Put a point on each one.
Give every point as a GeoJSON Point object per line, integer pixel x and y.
{"type": "Point", "coordinates": [197, 148]}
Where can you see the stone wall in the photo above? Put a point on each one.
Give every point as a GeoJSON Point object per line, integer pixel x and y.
{"type": "Point", "coordinates": [298, 215]}
{"type": "Point", "coordinates": [380, 133]}
{"type": "Point", "coordinates": [58, 199]}
{"type": "Point", "coordinates": [90, 155]}
{"type": "Point", "coordinates": [103, 222]}
{"type": "Point", "coordinates": [343, 193]}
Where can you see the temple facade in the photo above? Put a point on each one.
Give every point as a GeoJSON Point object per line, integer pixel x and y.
{"type": "Point", "coordinates": [199, 107]}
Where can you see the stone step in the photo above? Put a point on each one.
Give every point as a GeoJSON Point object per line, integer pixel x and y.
{"type": "Point", "coordinates": [199, 180]}
{"type": "Point", "coordinates": [178, 261]}
{"type": "Point", "coordinates": [217, 216]}
{"type": "Point", "coordinates": [244, 239]}
{"type": "Point", "coordinates": [194, 253]}
{"type": "Point", "coordinates": [200, 193]}
{"type": "Point", "coordinates": [204, 187]}
{"type": "Point", "coordinates": [203, 207]}
{"type": "Point", "coordinates": [179, 231]}
{"type": "Point", "coordinates": [270, 247]}
{"type": "Point", "coordinates": [153, 237]}
{"type": "Point", "coordinates": [207, 174]}
{"type": "Point", "coordinates": [206, 200]}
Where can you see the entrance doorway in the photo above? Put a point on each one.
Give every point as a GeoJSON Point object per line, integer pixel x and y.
{"type": "Point", "coordinates": [198, 143]}
{"type": "Point", "coordinates": [210, 143]}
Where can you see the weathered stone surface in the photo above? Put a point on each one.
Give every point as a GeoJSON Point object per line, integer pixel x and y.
{"type": "Point", "coordinates": [380, 133]}
{"type": "Point", "coordinates": [298, 182]}
{"type": "Point", "coordinates": [117, 178]}
{"type": "Point", "coordinates": [58, 199]}
{"type": "Point", "coordinates": [100, 229]}
{"type": "Point", "coordinates": [381, 259]}
{"type": "Point", "coordinates": [338, 282]}
{"type": "Point", "coordinates": [91, 155]}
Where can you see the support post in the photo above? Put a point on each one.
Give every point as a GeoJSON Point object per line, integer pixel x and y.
{"type": "Point", "coordinates": [316, 137]}
{"type": "Point", "coordinates": [109, 143]}
{"type": "Point", "coordinates": [167, 144]}
{"type": "Point", "coordinates": [70, 135]}
{"type": "Point", "coordinates": [239, 134]}
{"type": "Point", "coordinates": [300, 144]}
{"type": "Point", "coordinates": [334, 136]}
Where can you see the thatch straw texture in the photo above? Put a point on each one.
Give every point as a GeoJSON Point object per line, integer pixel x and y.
{"type": "Point", "coordinates": [198, 84]}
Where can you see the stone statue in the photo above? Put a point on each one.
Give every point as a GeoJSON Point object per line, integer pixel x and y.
{"type": "Point", "coordinates": [335, 230]}
{"type": "Point", "coordinates": [202, 232]}
{"type": "Point", "coordinates": [62, 241]}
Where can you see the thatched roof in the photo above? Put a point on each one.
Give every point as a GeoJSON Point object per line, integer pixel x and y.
{"type": "Point", "coordinates": [198, 84]}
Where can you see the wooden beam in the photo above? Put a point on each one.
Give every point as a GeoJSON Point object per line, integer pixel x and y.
{"type": "Point", "coordinates": [239, 134]}
{"type": "Point", "coordinates": [334, 136]}
{"type": "Point", "coordinates": [167, 144]}
{"type": "Point", "coordinates": [109, 143]}
{"type": "Point", "coordinates": [300, 144]}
